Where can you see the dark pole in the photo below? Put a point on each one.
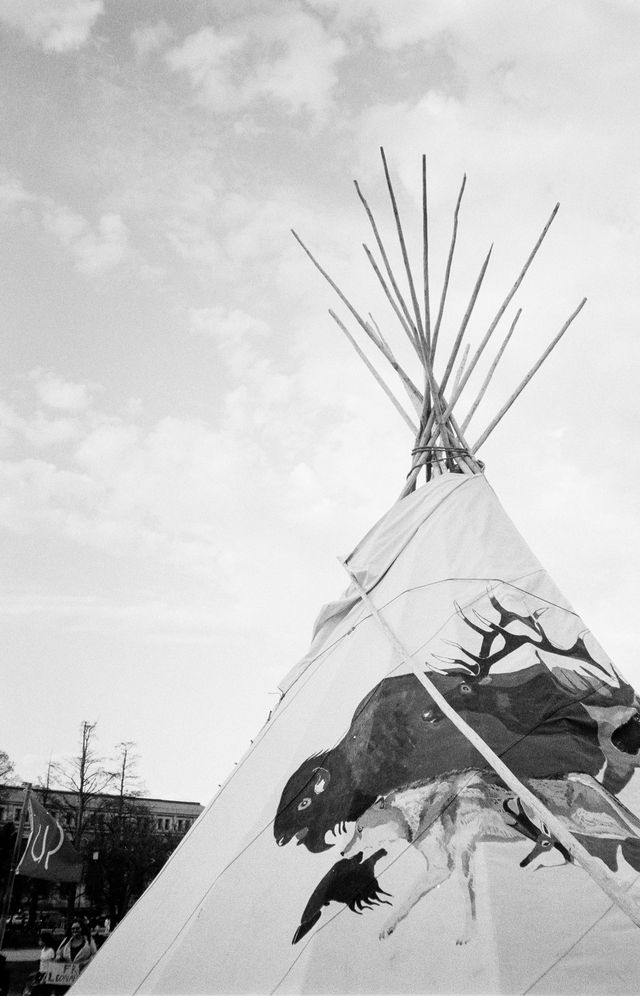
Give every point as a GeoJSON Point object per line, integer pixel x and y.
{"type": "Point", "coordinates": [8, 892]}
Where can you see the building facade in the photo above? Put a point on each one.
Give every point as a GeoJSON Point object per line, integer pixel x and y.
{"type": "Point", "coordinates": [166, 815]}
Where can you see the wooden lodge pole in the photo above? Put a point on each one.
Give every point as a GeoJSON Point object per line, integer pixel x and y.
{"type": "Point", "coordinates": [370, 367]}
{"type": "Point", "coordinates": [447, 272]}
{"type": "Point", "coordinates": [491, 372]}
{"type": "Point", "coordinates": [505, 408]}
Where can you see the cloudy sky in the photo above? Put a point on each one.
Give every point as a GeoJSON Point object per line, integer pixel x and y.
{"type": "Point", "coordinates": [186, 441]}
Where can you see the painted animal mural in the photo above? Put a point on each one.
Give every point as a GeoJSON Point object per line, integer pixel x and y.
{"type": "Point", "coordinates": [560, 719]}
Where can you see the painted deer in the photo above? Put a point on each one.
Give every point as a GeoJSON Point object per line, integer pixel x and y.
{"type": "Point", "coordinates": [582, 701]}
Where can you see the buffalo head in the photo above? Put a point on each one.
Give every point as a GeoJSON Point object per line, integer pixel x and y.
{"type": "Point", "coordinates": [302, 807]}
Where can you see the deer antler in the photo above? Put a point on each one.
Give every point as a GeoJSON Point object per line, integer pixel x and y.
{"type": "Point", "coordinates": [466, 668]}
{"type": "Point", "coordinates": [479, 665]}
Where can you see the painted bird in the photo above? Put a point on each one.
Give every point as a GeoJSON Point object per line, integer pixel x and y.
{"type": "Point", "coordinates": [350, 881]}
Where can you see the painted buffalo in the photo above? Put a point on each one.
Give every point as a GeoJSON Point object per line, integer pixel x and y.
{"type": "Point", "coordinates": [397, 736]}
{"type": "Point", "coordinates": [391, 741]}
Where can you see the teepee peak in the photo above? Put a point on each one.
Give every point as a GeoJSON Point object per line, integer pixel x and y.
{"type": "Point", "coordinates": [434, 416]}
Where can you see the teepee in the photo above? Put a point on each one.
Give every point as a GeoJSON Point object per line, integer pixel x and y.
{"type": "Point", "coordinates": [445, 798]}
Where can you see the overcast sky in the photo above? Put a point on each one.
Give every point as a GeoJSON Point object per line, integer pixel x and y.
{"type": "Point", "coordinates": [186, 441]}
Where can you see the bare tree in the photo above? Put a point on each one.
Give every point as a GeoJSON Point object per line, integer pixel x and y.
{"type": "Point", "coordinates": [126, 779]}
{"type": "Point", "coordinates": [85, 776]}
{"type": "Point", "coordinates": [43, 785]}
{"type": "Point", "coordinates": [126, 774]}
{"type": "Point", "coordinates": [126, 849]}
{"type": "Point", "coordinates": [82, 777]}
{"type": "Point", "coordinates": [7, 770]}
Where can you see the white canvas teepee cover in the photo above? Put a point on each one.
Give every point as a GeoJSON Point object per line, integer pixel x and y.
{"type": "Point", "coordinates": [364, 845]}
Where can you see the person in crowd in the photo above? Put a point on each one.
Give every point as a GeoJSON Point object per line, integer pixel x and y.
{"type": "Point", "coordinates": [47, 948]}
{"type": "Point", "coordinates": [36, 985]}
{"type": "Point", "coordinates": [77, 947]}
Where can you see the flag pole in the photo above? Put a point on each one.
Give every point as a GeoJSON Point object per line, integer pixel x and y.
{"type": "Point", "coordinates": [8, 892]}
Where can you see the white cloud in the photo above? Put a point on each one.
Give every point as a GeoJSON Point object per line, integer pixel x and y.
{"type": "Point", "coordinates": [35, 494]}
{"type": "Point", "coordinates": [256, 228]}
{"type": "Point", "coordinates": [283, 55]}
{"type": "Point", "coordinates": [11, 424]}
{"type": "Point", "coordinates": [175, 492]}
{"type": "Point", "coordinates": [225, 232]}
{"type": "Point", "coordinates": [62, 425]}
{"type": "Point", "coordinates": [42, 431]}
{"type": "Point", "coordinates": [12, 191]}
{"type": "Point", "coordinates": [54, 392]}
{"type": "Point", "coordinates": [235, 332]}
{"type": "Point", "coordinates": [151, 38]}
{"type": "Point", "coordinates": [93, 251]}
{"type": "Point", "coordinates": [219, 322]}
{"type": "Point", "coordinates": [518, 97]}
{"type": "Point", "coordinates": [206, 59]}
{"type": "Point", "coordinates": [100, 613]}
{"type": "Point", "coordinates": [192, 223]}
{"type": "Point", "coordinates": [113, 486]}
{"type": "Point", "coordinates": [54, 25]}
{"type": "Point", "coordinates": [304, 74]}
